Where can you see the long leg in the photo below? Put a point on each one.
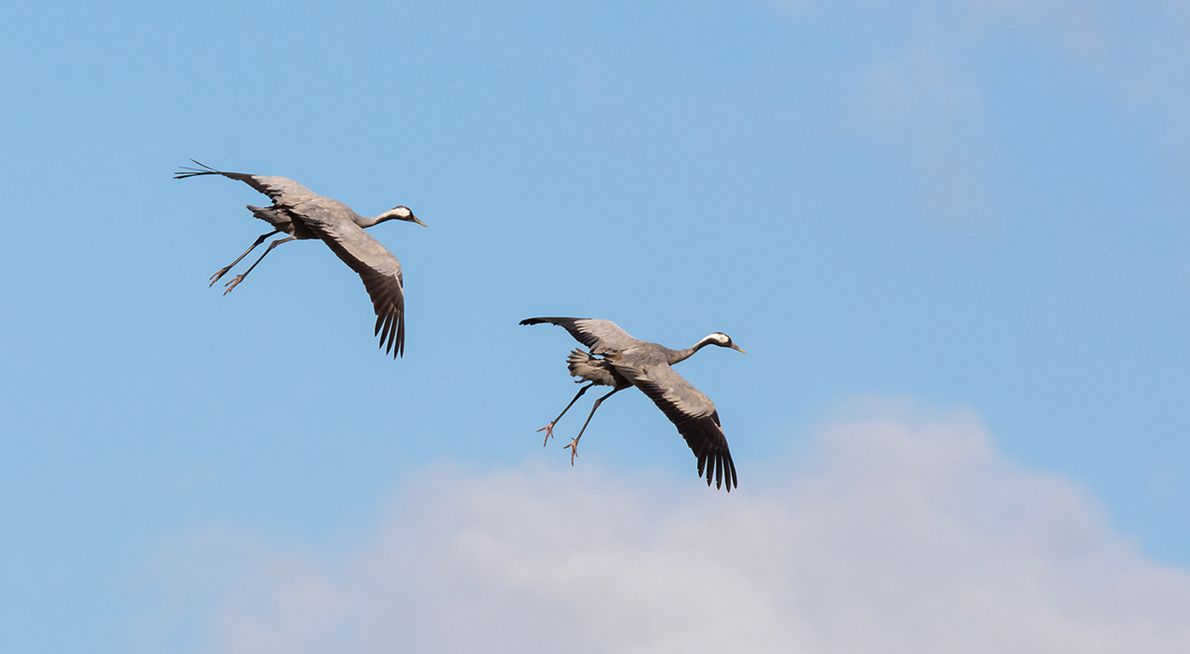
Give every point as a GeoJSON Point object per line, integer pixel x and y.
{"type": "Point", "coordinates": [240, 277]}
{"type": "Point", "coordinates": [573, 446]}
{"type": "Point", "coordinates": [549, 429]}
{"type": "Point", "coordinates": [223, 271]}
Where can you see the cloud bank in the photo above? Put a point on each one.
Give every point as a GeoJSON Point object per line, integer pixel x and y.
{"type": "Point", "coordinates": [898, 531]}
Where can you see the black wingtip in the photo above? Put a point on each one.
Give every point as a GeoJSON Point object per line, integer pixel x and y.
{"type": "Point", "coordinates": [185, 172]}
{"type": "Point", "coordinates": [400, 336]}
{"type": "Point", "coordinates": [551, 320]}
{"type": "Point", "coordinates": [719, 469]}
{"type": "Point", "coordinates": [390, 328]}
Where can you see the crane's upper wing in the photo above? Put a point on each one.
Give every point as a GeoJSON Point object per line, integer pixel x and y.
{"type": "Point", "coordinates": [282, 190]}
{"type": "Point", "coordinates": [601, 336]}
{"type": "Point", "coordinates": [379, 269]}
{"type": "Point", "coordinates": [687, 407]}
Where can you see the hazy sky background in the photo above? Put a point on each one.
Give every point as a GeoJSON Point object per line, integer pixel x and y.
{"type": "Point", "coordinates": [955, 242]}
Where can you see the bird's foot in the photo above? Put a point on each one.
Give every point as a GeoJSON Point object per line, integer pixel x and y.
{"type": "Point", "coordinates": [219, 275]}
{"type": "Point", "coordinates": [235, 281]}
{"type": "Point", "coordinates": [573, 447]}
{"type": "Point", "coordinates": [549, 433]}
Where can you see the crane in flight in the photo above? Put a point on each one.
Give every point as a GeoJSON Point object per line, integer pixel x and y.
{"type": "Point", "coordinates": [304, 214]}
{"type": "Point", "coordinates": [617, 359]}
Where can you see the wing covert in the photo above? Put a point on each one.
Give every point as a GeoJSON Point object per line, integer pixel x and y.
{"type": "Point", "coordinates": [688, 408]}
{"type": "Point", "coordinates": [377, 267]}
{"type": "Point", "coordinates": [282, 190]}
{"type": "Point", "coordinates": [600, 336]}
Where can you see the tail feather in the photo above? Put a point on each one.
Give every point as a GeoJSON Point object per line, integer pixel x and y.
{"type": "Point", "coordinates": [271, 215]}
{"type": "Point", "coordinates": [585, 366]}
{"type": "Point", "coordinates": [578, 360]}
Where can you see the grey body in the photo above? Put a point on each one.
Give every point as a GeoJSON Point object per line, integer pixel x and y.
{"type": "Point", "coordinates": [619, 360]}
{"type": "Point", "coordinates": [304, 214]}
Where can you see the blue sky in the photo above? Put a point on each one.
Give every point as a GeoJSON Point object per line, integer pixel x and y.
{"type": "Point", "coordinates": [978, 209]}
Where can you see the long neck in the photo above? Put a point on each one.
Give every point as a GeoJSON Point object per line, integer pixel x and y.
{"type": "Point", "coordinates": [368, 222]}
{"type": "Point", "coordinates": [681, 355]}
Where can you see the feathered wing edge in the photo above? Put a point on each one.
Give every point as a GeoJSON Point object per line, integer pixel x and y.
{"type": "Point", "coordinates": [390, 320]}
{"type": "Point", "coordinates": [689, 409]}
{"type": "Point", "coordinates": [703, 434]}
{"type": "Point", "coordinates": [714, 453]}
{"type": "Point", "coordinates": [378, 268]}
{"type": "Point", "coordinates": [600, 336]}
{"type": "Point", "coordinates": [281, 190]}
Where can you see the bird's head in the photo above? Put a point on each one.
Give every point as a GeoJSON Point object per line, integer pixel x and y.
{"type": "Point", "coordinates": [401, 212]}
{"type": "Point", "coordinates": [722, 340]}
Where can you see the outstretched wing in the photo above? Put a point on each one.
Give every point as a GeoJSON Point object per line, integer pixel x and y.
{"type": "Point", "coordinates": [379, 269]}
{"type": "Point", "coordinates": [691, 411]}
{"type": "Point", "coordinates": [600, 336]}
{"type": "Point", "coordinates": [282, 190]}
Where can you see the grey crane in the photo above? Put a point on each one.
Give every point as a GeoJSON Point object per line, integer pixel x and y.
{"type": "Point", "coordinates": [617, 359]}
{"type": "Point", "coordinates": [304, 214]}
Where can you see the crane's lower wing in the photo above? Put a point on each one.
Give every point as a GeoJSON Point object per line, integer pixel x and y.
{"type": "Point", "coordinates": [601, 336]}
{"type": "Point", "coordinates": [282, 190]}
{"type": "Point", "coordinates": [379, 269]}
{"type": "Point", "coordinates": [691, 411]}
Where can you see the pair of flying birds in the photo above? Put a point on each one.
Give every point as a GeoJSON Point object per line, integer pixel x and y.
{"type": "Point", "coordinates": [614, 357]}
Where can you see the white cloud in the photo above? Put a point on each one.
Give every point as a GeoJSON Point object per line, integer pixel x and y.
{"type": "Point", "coordinates": [896, 532]}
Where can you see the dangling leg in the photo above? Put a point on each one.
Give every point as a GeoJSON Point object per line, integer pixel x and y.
{"type": "Point", "coordinates": [549, 429]}
{"type": "Point", "coordinates": [223, 271]}
{"type": "Point", "coordinates": [573, 446]}
{"type": "Point", "coordinates": [240, 277]}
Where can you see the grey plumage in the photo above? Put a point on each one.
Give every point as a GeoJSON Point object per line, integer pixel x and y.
{"type": "Point", "coordinates": [304, 214]}
{"type": "Point", "coordinates": [586, 366]}
{"type": "Point", "coordinates": [619, 360]}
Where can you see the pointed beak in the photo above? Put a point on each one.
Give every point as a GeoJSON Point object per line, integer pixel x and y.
{"type": "Point", "coordinates": [738, 348]}
{"type": "Point", "coordinates": [418, 221]}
